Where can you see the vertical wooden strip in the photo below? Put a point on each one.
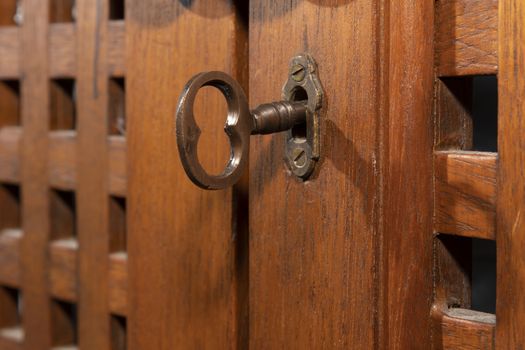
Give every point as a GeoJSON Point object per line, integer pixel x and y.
{"type": "Point", "coordinates": [185, 264]}
{"type": "Point", "coordinates": [35, 196]}
{"type": "Point", "coordinates": [510, 304]}
{"type": "Point", "coordinates": [407, 177]}
{"type": "Point", "coordinates": [92, 163]}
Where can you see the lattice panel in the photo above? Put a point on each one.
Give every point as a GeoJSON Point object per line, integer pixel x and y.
{"type": "Point", "coordinates": [64, 127]}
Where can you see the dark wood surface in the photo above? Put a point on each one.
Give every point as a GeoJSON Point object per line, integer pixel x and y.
{"type": "Point", "coordinates": [510, 304]}
{"type": "Point", "coordinates": [187, 254]}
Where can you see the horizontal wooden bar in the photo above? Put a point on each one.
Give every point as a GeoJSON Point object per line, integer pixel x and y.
{"type": "Point", "coordinates": [11, 338]}
{"type": "Point", "coordinates": [116, 62]}
{"type": "Point", "coordinates": [10, 154]}
{"type": "Point", "coordinates": [62, 50]}
{"type": "Point", "coordinates": [10, 257]}
{"type": "Point", "coordinates": [63, 269]}
{"type": "Point", "coordinates": [62, 160]}
{"type": "Point", "coordinates": [9, 53]}
{"type": "Point", "coordinates": [64, 278]}
{"type": "Point", "coordinates": [462, 329]}
{"type": "Point", "coordinates": [465, 193]}
{"type": "Point", "coordinates": [118, 283]}
{"type": "Point", "coordinates": [466, 37]}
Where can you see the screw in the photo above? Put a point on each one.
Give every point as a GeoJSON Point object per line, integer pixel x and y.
{"type": "Point", "coordinates": [299, 157]}
{"type": "Point", "coordinates": [298, 72]}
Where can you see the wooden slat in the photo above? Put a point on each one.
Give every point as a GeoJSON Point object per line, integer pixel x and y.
{"type": "Point", "coordinates": [117, 166]}
{"type": "Point", "coordinates": [36, 318]}
{"type": "Point", "coordinates": [63, 269]}
{"type": "Point", "coordinates": [62, 46]}
{"type": "Point", "coordinates": [462, 329]}
{"type": "Point", "coordinates": [187, 260]}
{"type": "Point", "coordinates": [10, 154]}
{"type": "Point", "coordinates": [9, 52]}
{"type": "Point", "coordinates": [118, 283]}
{"type": "Point", "coordinates": [92, 180]}
{"type": "Point", "coordinates": [62, 159]}
{"type": "Point", "coordinates": [10, 257]}
{"type": "Point", "coordinates": [116, 48]}
{"type": "Point", "coordinates": [63, 277]}
{"type": "Point", "coordinates": [465, 193]}
{"type": "Point", "coordinates": [466, 37]}
{"type": "Point", "coordinates": [510, 228]}
{"type": "Point", "coordinates": [12, 338]}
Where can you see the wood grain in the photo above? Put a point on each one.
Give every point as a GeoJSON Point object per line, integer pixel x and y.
{"type": "Point", "coordinates": [9, 52]}
{"type": "Point", "coordinates": [313, 244]}
{"type": "Point", "coordinates": [118, 283]}
{"type": "Point", "coordinates": [465, 193]}
{"type": "Point", "coordinates": [10, 154]}
{"type": "Point", "coordinates": [35, 196]}
{"type": "Point", "coordinates": [466, 37]}
{"type": "Point", "coordinates": [463, 329]}
{"type": "Point", "coordinates": [406, 185]}
{"type": "Point", "coordinates": [187, 263]}
{"type": "Point", "coordinates": [92, 179]}
{"type": "Point", "coordinates": [116, 59]}
{"type": "Point", "coordinates": [510, 228]}
{"type": "Point", "coordinates": [10, 240]}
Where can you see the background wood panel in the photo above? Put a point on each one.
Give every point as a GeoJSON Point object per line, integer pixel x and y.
{"type": "Point", "coordinates": [313, 244]}
{"type": "Point", "coordinates": [35, 193]}
{"type": "Point", "coordinates": [187, 272]}
{"type": "Point", "coordinates": [510, 304]}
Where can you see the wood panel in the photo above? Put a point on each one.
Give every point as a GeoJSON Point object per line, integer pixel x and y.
{"type": "Point", "coordinates": [62, 48]}
{"type": "Point", "coordinates": [187, 262]}
{"type": "Point", "coordinates": [116, 48]}
{"type": "Point", "coordinates": [406, 186]}
{"type": "Point", "coordinates": [36, 318]}
{"type": "Point", "coordinates": [313, 244]}
{"type": "Point", "coordinates": [465, 193]}
{"type": "Point", "coordinates": [9, 52]}
{"type": "Point", "coordinates": [92, 179]}
{"type": "Point", "coordinates": [463, 329]}
{"type": "Point", "coordinates": [466, 37]}
{"type": "Point", "coordinates": [510, 304]}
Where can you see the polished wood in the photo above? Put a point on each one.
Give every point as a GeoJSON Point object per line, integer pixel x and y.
{"type": "Point", "coordinates": [36, 318]}
{"type": "Point", "coordinates": [466, 37]}
{"type": "Point", "coordinates": [510, 227]}
{"type": "Point", "coordinates": [187, 260]}
{"type": "Point", "coordinates": [465, 193]}
{"type": "Point", "coordinates": [463, 329]}
{"type": "Point", "coordinates": [92, 189]}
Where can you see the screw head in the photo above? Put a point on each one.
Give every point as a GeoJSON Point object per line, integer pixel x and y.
{"type": "Point", "coordinates": [299, 157]}
{"type": "Point", "coordinates": [298, 72]}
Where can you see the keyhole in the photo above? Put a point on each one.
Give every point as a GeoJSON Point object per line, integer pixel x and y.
{"type": "Point", "coordinates": [210, 111]}
{"type": "Point", "coordinates": [299, 131]}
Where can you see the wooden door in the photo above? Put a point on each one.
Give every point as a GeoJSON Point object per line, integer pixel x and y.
{"type": "Point", "coordinates": [105, 243]}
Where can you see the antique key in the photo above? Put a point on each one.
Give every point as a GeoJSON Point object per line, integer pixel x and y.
{"type": "Point", "coordinates": [302, 99]}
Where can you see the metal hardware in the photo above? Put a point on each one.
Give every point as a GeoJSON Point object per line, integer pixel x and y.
{"type": "Point", "coordinates": [302, 96]}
